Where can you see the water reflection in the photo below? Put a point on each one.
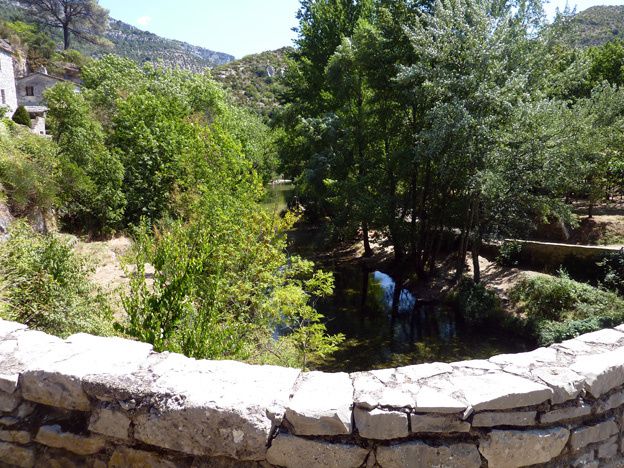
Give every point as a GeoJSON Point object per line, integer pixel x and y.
{"type": "Point", "coordinates": [386, 325]}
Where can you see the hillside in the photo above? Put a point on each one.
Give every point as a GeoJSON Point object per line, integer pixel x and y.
{"type": "Point", "coordinates": [255, 80]}
{"type": "Point", "coordinates": [140, 46]}
{"type": "Point", "coordinates": [595, 26]}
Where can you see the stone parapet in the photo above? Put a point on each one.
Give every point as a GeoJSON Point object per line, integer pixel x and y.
{"type": "Point", "coordinates": [108, 402]}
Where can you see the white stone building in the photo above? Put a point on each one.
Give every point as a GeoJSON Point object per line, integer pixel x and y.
{"type": "Point", "coordinates": [8, 94]}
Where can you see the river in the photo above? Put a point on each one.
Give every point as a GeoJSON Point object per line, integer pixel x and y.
{"type": "Point", "coordinates": [383, 326]}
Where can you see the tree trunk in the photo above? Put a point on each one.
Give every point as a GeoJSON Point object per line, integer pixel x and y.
{"type": "Point", "coordinates": [476, 244]}
{"type": "Point", "coordinates": [590, 210]}
{"type": "Point", "coordinates": [368, 252]}
{"type": "Point", "coordinates": [66, 37]}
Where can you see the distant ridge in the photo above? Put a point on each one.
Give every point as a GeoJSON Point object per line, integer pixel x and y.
{"type": "Point", "coordinates": [138, 45]}
{"type": "Point", "coordinates": [595, 26]}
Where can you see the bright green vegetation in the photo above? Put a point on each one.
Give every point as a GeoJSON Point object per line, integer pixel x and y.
{"type": "Point", "coordinates": [249, 82]}
{"type": "Point", "coordinates": [46, 286]}
{"type": "Point", "coordinates": [417, 120]}
{"type": "Point", "coordinates": [164, 155]}
{"type": "Point", "coordinates": [558, 308]}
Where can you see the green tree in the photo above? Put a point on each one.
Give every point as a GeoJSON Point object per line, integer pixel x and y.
{"type": "Point", "coordinates": [84, 19]}
{"type": "Point", "coordinates": [22, 117]}
{"type": "Point", "coordinates": [93, 200]}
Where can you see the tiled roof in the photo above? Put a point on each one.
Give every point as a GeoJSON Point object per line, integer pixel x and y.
{"type": "Point", "coordinates": [36, 109]}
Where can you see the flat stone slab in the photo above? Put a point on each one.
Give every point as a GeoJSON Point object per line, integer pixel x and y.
{"type": "Point", "coordinates": [6, 328]}
{"type": "Point", "coordinates": [380, 424]}
{"type": "Point", "coordinates": [21, 349]}
{"type": "Point", "coordinates": [511, 449]}
{"type": "Point", "coordinates": [294, 452]}
{"type": "Point", "coordinates": [608, 336]}
{"type": "Point", "coordinates": [321, 404]}
{"type": "Point", "coordinates": [497, 418]}
{"type": "Point", "coordinates": [602, 372]}
{"type": "Point", "coordinates": [56, 378]}
{"type": "Point", "coordinates": [500, 391]}
{"type": "Point", "coordinates": [437, 423]}
{"type": "Point", "coordinates": [53, 436]}
{"type": "Point", "coordinates": [529, 359]}
{"type": "Point", "coordinates": [586, 435]}
{"type": "Point", "coordinates": [563, 414]}
{"type": "Point", "coordinates": [395, 388]}
{"type": "Point", "coordinates": [565, 383]}
{"type": "Point", "coordinates": [215, 408]}
{"type": "Point", "coordinates": [418, 454]}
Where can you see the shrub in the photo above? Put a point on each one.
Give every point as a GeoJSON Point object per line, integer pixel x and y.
{"type": "Point", "coordinates": [560, 308]}
{"type": "Point", "coordinates": [476, 302]}
{"type": "Point", "coordinates": [22, 117]}
{"type": "Point", "coordinates": [509, 254]}
{"type": "Point", "coordinates": [612, 272]}
{"type": "Point", "coordinates": [46, 286]}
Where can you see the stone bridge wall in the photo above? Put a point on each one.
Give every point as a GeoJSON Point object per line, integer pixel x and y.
{"type": "Point", "coordinates": [98, 402]}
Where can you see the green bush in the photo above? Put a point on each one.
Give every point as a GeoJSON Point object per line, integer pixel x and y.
{"type": "Point", "coordinates": [22, 117]}
{"type": "Point", "coordinates": [509, 254]}
{"type": "Point", "coordinates": [476, 302]}
{"type": "Point", "coordinates": [46, 286]}
{"type": "Point", "coordinates": [612, 272]}
{"type": "Point", "coordinates": [560, 308]}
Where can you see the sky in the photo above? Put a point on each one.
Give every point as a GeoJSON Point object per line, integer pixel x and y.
{"type": "Point", "coordinates": [238, 27]}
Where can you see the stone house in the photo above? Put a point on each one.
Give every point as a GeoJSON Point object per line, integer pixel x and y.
{"type": "Point", "coordinates": [8, 96]}
{"type": "Point", "coordinates": [30, 91]}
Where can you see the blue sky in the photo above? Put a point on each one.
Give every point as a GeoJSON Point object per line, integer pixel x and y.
{"type": "Point", "coordinates": [237, 27]}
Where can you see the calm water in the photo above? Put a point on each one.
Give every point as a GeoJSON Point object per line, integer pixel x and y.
{"type": "Point", "coordinates": [386, 326]}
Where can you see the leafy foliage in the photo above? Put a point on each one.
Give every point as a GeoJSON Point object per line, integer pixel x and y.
{"type": "Point", "coordinates": [560, 308]}
{"type": "Point", "coordinates": [45, 285]}
{"type": "Point", "coordinates": [21, 116]}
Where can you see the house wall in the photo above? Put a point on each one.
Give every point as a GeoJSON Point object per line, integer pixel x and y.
{"type": "Point", "coordinates": [39, 83]}
{"type": "Point", "coordinates": [98, 402]}
{"type": "Point", "coordinates": [7, 81]}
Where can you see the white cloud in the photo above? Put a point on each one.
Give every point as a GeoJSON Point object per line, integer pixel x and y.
{"type": "Point", "coordinates": [144, 21]}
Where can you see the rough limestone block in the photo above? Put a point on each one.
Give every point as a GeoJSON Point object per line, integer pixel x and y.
{"type": "Point", "coordinates": [9, 401]}
{"type": "Point", "coordinates": [20, 350]}
{"type": "Point", "coordinates": [381, 424]}
{"type": "Point", "coordinates": [585, 460]}
{"type": "Point", "coordinates": [607, 336]}
{"type": "Point", "coordinates": [511, 449]}
{"type": "Point", "coordinates": [17, 456]}
{"type": "Point", "coordinates": [16, 437]}
{"type": "Point", "coordinates": [110, 422]}
{"type": "Point", "coordinates": [499, 391]}
{"type": "Point", "coordinates": [566, 384]}
{"type": "Point", "coordinates": [6, 328]}
{"type": "Point", "coordinates": [214, 408]}
{"type": "Point", "coordinates": [321, 404]}
{"type": "Point", "coordinates": [492, 419]}
{"type": "Point", "coordinates": [124, 457]}
{"type": "Point", "coordinates": [395, 388]}
{"type": "Point", "coordinates": [418, 454]}
{"type": "Point", "coordinates": [437, 400]}
{"type": "Point", "coordinates": [609, 449]}
{"type": "Point", "coordinates": [482, 364]}
{"type": "Point", "coordinates": [57, 380]}
{"type": "Point", "coordinates": [574, 347]}
{"type": "Point", "coordinates": [432, 423]}
{"type": "Point", "coordinates": [586, 435]}
{"type": "Point", "coordinates": [530, 359]}
{"type": "Point", "coordinates": [294, 452]}
{"type": "Point", "coordinates": [564, 414]}
{"type": "Point", "coordinates": [53, 436]}
{"type": "Point", "coordinates": [602, 372]}
{"type": "Point", "coordinates": [613, 401]}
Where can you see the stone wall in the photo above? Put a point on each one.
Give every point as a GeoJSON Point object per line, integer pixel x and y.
{"type": "Point", "coordinates": [98, 402]}
{"type": "Point", "coordinates": [550, 256]}
{"type": "Point", "coordinates": [7, 82]}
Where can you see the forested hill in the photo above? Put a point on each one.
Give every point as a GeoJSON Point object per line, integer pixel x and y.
{"type": "Point", "coordinates": [595, 26]}
{"type": "Point", "coordinates": [255, 80]}
{"type": "Point", "coordinates": [140, 46]}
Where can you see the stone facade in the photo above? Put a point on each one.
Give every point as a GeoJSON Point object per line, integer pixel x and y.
{"type": "Point", "coordinates": [98, 402]}
{"type": "Point", "coordinates": [31, 87]}
{"type": "Point", "coordinates": [8, 96]}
